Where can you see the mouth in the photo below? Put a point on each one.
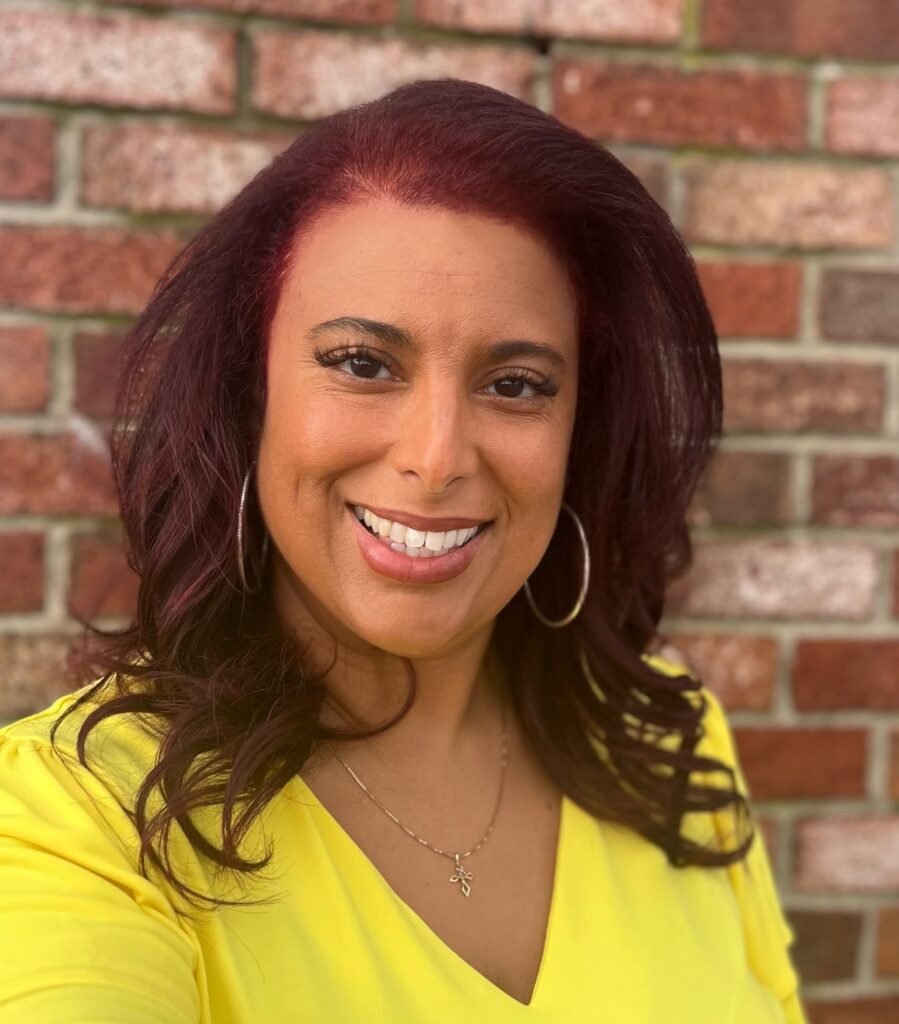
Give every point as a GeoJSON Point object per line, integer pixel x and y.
{"type": "Point", "coordinates": [416, 543]}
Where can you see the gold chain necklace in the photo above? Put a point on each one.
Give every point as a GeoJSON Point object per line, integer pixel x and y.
{"type": "Point", "coordinates": [460, 875]}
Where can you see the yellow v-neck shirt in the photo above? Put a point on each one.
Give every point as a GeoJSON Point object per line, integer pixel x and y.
{"type": "Point", "coordinates": [85, 938]}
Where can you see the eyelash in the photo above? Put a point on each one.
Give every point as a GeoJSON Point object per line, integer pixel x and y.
{"type": "Point", "coordinates": [544, 388]}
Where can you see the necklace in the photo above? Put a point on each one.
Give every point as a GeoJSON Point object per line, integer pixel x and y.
{"type": "Point", "coordinates": [460, 875]}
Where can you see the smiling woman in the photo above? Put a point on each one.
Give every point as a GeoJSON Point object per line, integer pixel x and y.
{"type": "Point", "coordinates": [405, 444]}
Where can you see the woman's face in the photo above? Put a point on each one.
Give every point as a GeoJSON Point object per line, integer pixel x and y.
{"type": "Point", "coordinates": [461, 406]}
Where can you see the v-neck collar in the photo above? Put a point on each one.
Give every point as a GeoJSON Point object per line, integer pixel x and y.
{"type": "Point", "coordinates": [479, 979]}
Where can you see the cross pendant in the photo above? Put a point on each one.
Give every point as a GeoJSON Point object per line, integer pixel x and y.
{"type": "Point", "coordinates": [461, 876]}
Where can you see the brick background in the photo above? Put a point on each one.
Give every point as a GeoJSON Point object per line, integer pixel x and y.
{"type": "Point", "coordinates": [769, 129]}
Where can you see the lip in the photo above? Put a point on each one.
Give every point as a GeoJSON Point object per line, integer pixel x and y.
{"type": "Point", "coordinates": [419, 522]}
{"type": "Point", "coordinates": [397, 566]}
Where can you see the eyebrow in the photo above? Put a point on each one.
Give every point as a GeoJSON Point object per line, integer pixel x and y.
{"type": "Point", "coordinates": [390, 334]}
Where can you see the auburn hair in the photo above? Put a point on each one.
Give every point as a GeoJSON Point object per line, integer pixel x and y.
{"type": "Point", "coordinates": [234, 695]}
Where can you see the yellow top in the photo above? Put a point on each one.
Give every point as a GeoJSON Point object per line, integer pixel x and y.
{"type": "Point", "coordinates": [84, 937]}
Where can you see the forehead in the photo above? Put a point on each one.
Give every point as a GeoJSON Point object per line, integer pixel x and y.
{"type": "Point", "coordinates": [424, 265]}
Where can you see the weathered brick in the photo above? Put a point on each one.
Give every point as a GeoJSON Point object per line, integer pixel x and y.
{"type": "Point", "coordinates": [864, 28]}
{"type": "Point", "coordinates": [791, 396]}
{"type": "Point", "coordinates": [858, 1010]}
{"type": "Point", "coordinates": [742, 488]}
{"type": "Point", "coordinates": [807, 206]}
{"type": "Point", "coordinates": [796, 763]}
{"type": "Point", "coordinates": [860, 305]}
{"type": "Point", "coordinates": [56, 474]}
{"type": "Point", "coordinates": [97, 369]}
{"type": "Point", "coordinates": [862, 114]}
{"type": "Point", "coordinates": [148, 167]}
{"type": "Point", "coordinates": [740, 668]}
{"type": "Point", "coordinates": [24, 369]}
{"type": "Point", "coordinates": [33, 673]}
{"type": "Point", "coordinates": [753, 300]}
{"type": "Point", "coordinates": [893, 778]}
{"type": "Point", "coordinates": [639, 21]}
{"type": "Point", "coordinates": [26, 157]}
{"type": "Point", "coordinates": [652, 172]}
{"type": "Point", "coordinates": [22, 579]}
{"type": "Point", "coordinates": [353, 12]}
{"type": "Point", "coordinates": [102, 582]}
{"type": "Point", "coordinates": [80, 270]}
{"type": "Point", "coordinates": [896, 583]}
{"type": "Point", "coordinates": [848, 672]}
{"type": "Point", "coordinates": [778, 579]}
{"type": "Point", "coordinates": [855, 490]}
{"type": "Point", "coordinates": [888, 942]}
{"type": "Point", "coordinates": [642, 103]}
{"type": "Point", "coordinates": [117, 60]}
{"type": "Point", "coordinates": [827, 943]}
{"type": "Point", "coordinates": [848, 854]}
{"type": "Point", "coordinates": [294, 72]}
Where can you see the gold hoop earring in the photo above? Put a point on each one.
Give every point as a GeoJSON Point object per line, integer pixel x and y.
{"type": "Point", "coordinates": [241, 535]}
{"type": "Point", "coordinates": [572, 615]}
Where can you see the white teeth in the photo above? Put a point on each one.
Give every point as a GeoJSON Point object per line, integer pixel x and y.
{"type": "Point", "coordinates": [413, 538]}
{"type": "Point", "coordinates": [418, 543]}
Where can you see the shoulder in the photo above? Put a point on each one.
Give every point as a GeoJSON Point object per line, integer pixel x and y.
{"type": "Point", "coordinates": [767, 932]}
{"type": "Point", "coordinates": [38, 764]}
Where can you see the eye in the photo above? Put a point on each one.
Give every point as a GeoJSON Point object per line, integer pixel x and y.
{"type": "Point", "coordinates": [359, 358]}
{"type": "Point", "coordinates": [518, 378]}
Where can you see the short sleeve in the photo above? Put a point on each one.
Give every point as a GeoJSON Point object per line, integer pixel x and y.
{"type": "Point", "coordinates": [84, 937]}
{"type": "Point", "coordinates": [767, 932]}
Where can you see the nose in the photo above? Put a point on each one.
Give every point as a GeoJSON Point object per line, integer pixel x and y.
{"type": "Point", "coordinates": [434, 435]}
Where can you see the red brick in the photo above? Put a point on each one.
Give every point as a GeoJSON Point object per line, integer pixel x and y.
{"type": "Point", "coordinates": [33, 670]}
{"type": "Point", "coordinates": [640, 103]}
{"type": "Point", "coordinates": [102, 582]}
{"type": "Point", "coordinates": [790, 396]}
{"type": "Point", "coordinates": [855, 490]}
{"type": "Point", "coordinates": [862, 114]}
{"type": "Point", "coordinates": [753, 300]}
{"type": "Point", "coordinates": [778, 579]}
{"type": "Point", "coordinates": [859, 1010]}
{"type": "Point", "coordinates": [352, 12]}
{"type": "Point", "coordinates": [294, 71]}
{"type": "Point", "coordinates": [860, 305]}
{"type": "Point", "coordinates": [827, 943]}
{"type": "Point", "coordinates": [639, 21]}
{"type": "Point", "coordinates": [893, 779]}
{"type": "Point", "coordinates": [740, 668]}
{"type": "Point", "coordinates": [793, 763]}
{"type": "Point", "coordinates": [152, 168]}
{"type": "Point", "coordinates": [867, 29]}
{"type": "Point", "coordinates": [56, 474]}
{"type": "Point", "coordinates": [22, 579]}
{"type": "Point", "coordinates": [26, 158]}
{"type": "Point", "coordinates": [844, 673]}
{"type": "Point", "coordinates": [80, 270]}
{"type": "Point", "coordinates": [887, 965]}
{"type": "Point", "coordinates": [858, 853]}
{"type": "Point", "coordinates": [807, 206]}
{"type": "Point", "coordinates": [24, 369]}
{"type": "Point", "coordinates": [896, 583]}
{"type": "Point", "coordinates": [741, 488]}
{"type": "Point", "coordinates": [97, 369]}
{"type": "Point", "coordinates": [117, 60]}
{"type": "Point", "coordinates": [652, 172]}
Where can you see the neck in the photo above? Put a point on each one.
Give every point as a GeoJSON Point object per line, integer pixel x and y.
{"type": "Point", "coordinates": [459, 693]}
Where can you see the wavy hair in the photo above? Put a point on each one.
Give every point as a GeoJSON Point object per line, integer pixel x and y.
{"type": "Point", "coordinates": [234, 695]}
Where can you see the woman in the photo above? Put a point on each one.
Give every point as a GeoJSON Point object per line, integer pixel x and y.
{"type": "Point", "coordinates": [406, 439]}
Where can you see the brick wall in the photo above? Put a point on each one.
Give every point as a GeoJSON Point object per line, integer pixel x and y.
{"type": "Point", "coordinates": [769, 129]}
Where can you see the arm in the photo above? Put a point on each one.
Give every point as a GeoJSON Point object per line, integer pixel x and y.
{"type": "Point", "coordinates": [83, 936]}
